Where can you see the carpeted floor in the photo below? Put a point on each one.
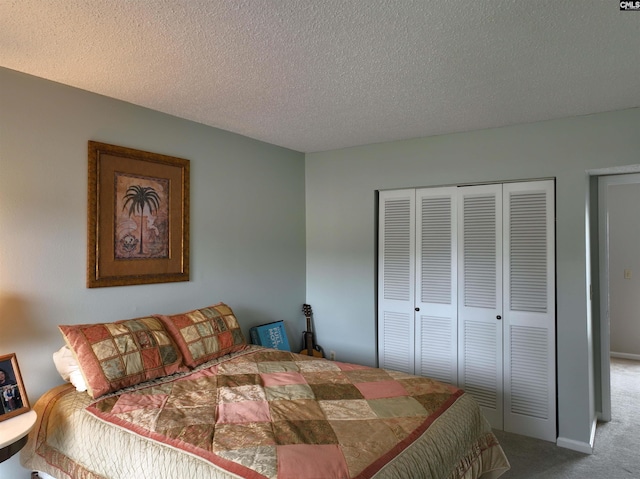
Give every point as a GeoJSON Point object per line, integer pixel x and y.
{"type": "Point", "coordinates": [617, 443]}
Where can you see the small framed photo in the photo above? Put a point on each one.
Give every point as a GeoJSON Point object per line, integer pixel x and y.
{"type": "Point", "coordinates": [13, 397]}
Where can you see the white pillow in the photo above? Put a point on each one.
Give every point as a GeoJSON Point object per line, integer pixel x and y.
{"type": "Point", "coordinates": [68, 368]}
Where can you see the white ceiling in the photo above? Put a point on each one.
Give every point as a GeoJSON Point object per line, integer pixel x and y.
{"type": "Point", "coordinates": [315, 75]}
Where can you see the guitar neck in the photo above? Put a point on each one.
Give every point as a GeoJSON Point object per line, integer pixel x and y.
{"type": "Point", "coordinates": [311, 348]}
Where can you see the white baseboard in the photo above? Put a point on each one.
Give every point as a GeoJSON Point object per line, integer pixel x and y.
{"type": "Point", "coordinates": [635, 357]}
{"type": "Point", "coordinates": [574, 445]}
{"type": "Point", "coordinates": [583, 447]}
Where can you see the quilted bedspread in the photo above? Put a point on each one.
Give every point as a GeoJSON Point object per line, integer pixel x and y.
{"type": "Point", "coordinates": [265, 413]}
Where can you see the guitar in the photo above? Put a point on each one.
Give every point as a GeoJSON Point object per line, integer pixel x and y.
{"type": "Point", "coordinates": [310, 346]}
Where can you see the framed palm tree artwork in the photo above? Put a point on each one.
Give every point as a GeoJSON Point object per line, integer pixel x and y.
{"type": "Point", "coordinates": [138, 222]}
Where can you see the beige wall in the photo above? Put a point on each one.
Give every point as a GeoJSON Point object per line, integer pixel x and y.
{"type": "Point", "coordinates": [341, 224]}
{"type": "Point", "coordinates": [247, 222]}
{"type": "Point", "coordinates": [248, 218]}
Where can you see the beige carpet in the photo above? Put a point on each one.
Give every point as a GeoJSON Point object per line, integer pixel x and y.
{"type": "Point", "coordinates": [617, 443]}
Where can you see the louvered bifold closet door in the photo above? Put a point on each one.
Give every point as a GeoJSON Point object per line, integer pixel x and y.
{"type": "Point", "coordinates": [529, 313]}
{"type": "Point", "coordinates": [396, 280]}
{"type": "Point", "coordinates": [480, 297]}
{"type": "Point", "coordinates": [436, 284]}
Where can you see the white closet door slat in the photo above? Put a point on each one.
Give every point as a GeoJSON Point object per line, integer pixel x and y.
{"type": "Point", "coordinates": [529, 317]}
{"type": "Point", "coordinates": [480, 361]}
{"type": "Point", "coordinates": [397, 249]}
{"type": "Point", "coordinates": [436, 284]}
{"type": "Point", "coordinates": [396, 337]}
{"type": "Point", "coordinates": [436, 340]}
{"type": "Point", "coordinates": [479, 217]}
{"type": "Point", "coordinates": [528, 252]}
{"type": "Point", "coordinates": [529, 382]}
{"type": "Point", "coordinates": [396, 284]}
{"type": "Point", "coordinates": [436, 250]}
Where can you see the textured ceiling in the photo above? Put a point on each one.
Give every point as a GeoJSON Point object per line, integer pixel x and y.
{"type": "Point", "coordinates": [325, 74]}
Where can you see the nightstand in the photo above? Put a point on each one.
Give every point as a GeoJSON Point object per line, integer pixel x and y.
{"type": "Point", "coordinates": [13, 433]}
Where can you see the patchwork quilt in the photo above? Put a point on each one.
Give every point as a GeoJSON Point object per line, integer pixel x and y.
{"type": "Point", "coordinates": [263, 413]}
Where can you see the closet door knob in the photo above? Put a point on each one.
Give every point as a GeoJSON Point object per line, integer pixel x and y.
{"type": "Point", "coordinates": [417, 309]}
{"type": "Point", "coordinates": [498, 317]}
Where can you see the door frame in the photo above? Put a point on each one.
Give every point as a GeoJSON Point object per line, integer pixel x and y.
{"type": "Point", "coordinates": [604, 181]}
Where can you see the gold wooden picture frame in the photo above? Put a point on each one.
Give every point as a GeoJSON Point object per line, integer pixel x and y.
{"type": "Point", "coordinates": [13, 397]}
{"type": "Point", "coordinates": [138, 217]}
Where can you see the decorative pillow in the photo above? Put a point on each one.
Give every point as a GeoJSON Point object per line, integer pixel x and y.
{"type": "Point", "coordinates": [68, 368]}
{"type": "Point", "coordinates": [115, 355]}
{"type": "Point", "coordinates": [205, 334]}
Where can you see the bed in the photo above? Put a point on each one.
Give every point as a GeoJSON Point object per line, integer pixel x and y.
{"type": "Point", "coordinates": [250, 412]}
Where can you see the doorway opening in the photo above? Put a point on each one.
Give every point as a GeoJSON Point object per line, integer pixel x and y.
{"type": "Point", "coordinates": [618, 335]}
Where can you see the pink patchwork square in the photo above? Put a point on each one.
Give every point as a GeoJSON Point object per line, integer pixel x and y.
{"type": "Point", "coordinates": [308, 460]}
{"type": "Point", "coordinates": [96, 333]}
{"type": "Point", "coordinates": [181, 321]}
{"type": "Point", "coordinates": [204, 373]}
{"type": "Point", "coordinates": [280, 379]}
{"type": "Point", "coordinates": [381, 389]}
{"type": "Point", "coordinates": [131, 402]}
{"type": "Point", "coordinates": [349, 366]}
{"type": "Point", "coordinates": [243, 412]}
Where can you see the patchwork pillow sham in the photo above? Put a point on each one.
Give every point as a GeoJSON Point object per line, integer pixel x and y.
{"type": "Point", "coordinates": [206, 333]}
{"type": "Point", "coordinates": [124, 353]}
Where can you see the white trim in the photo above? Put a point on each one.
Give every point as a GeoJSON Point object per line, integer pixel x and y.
{"type": "Point", "coordinates": [605, 341]}
{"type": "Point", "coordinates": [634, 357]}
{"type": "Point", "coordinates": [579, 446]}
{"type": "Point", "coordinates": [630, 176]}
{"type": "Point", "coordinates": [575, 445]}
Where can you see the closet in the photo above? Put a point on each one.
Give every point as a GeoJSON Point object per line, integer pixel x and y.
{"type": "Point", "coordinates": [466, 295]}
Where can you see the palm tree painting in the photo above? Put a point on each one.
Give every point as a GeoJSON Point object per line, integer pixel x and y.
{"type": "Point", "coordinates": [142, 217]}
{"type": "Point", "coordinates": [137, 197]}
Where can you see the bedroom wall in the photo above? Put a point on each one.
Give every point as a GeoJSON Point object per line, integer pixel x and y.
{"type": "Point", "coordinates": [247, 222]}
{"type": "Point", "coordinates": [624, 254]}
{"type": "Point", "coordinates": [341, 229]}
